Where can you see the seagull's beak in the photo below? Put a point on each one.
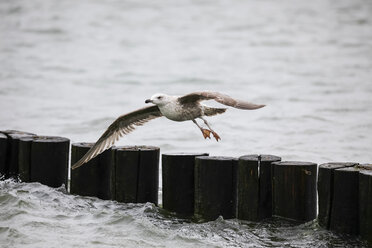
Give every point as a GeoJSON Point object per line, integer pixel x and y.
{"type": "Point", "coordinates": [148, 100]}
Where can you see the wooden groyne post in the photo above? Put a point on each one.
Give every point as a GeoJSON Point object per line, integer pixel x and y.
{"type": "Point", "coordinates": [294, 190]}
{"type": "Point", "coordinates": [33, 158]}
{"type": "Point", "coordinates": [325, 190]}
{"type": "Point", "coordinates": [44, 159]}
{"type": "Point", "coordinates": [125, 174]}
{"type": "Point", "coordinates": [49, 156]}
{"type": "Point", "coordinates": [10, 168]}
{"type": "Point", "coordinates": [215, 187]}
{"type": "Point", "coordinates": [255, 187]}
{"type": "Point", "coordinates": [96, 176]}
{"type": "Point", "coordinates": [344, 214]}
{"type": "Point", "coordinates": [365, 203]}
{"type": "Point", "coordinates": [24, 158]}
{"type": "Point", "coordinates": [3, 154]}
{"type": "Point", "coordinates": [178, 182]}
{"type": "Point", "coordinates": [136, 176]}
{"type": "Point", "coordinates": [350, 212]}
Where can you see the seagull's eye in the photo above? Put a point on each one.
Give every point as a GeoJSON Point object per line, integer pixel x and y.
{"type": "Point", "coordinates": [160, 97]}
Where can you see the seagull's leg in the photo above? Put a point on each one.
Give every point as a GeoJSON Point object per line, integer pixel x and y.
{"type": "Point", "coordinates": [206, 133]}
{"type": "Point", "coordinates": [216, 136]}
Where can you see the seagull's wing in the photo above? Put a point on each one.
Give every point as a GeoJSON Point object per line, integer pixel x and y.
{"type": "Point", "coordinates": [221, 98]}
{"type": "Point", "coordinates": [121, 126]}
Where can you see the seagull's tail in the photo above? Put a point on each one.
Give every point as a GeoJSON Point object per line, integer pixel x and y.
{"type": "Point", "coordinates": [208, 111]}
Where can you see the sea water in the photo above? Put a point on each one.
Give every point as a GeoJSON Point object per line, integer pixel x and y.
{"type": "Point", "coordinates": [69, 68]}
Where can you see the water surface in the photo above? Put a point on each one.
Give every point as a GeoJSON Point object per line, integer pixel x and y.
{"type": "Point", "coordinates": [69, 68]}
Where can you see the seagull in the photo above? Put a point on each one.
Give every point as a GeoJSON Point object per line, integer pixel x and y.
{"type": "Point", "coordinates": [175, 108]}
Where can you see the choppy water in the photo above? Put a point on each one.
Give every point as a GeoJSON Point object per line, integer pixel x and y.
{"type": "Point", "coordinates": [69, 68]}
{"type": "Point", "coordinates": [34, 215]}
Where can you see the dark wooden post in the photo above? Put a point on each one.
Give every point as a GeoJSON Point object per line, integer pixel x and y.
{"type": "Point", "coordinates": [325, 190]}
{"type": "Point", "coordinates": [126, 174]}
{"type": "Point", "coordinates": [148, 176]}
{"type": "Point", "coordinates": [3, 154]}
{"type": "Point", "coordinates": [49, 160]}
{"type": "Point", "coordinates": [11, 165]}
{"type": "Point", "coordinates": [345, 207]}
{"type": "Point", "coordinates": [24, 158]}
{"type": "Point", "coordinates": [178, 182]}
{"type": "Point", "coordinates": [85, 180]}
{"type": "Point", "coordinates": [255, 187]}
{"type": "Point", "coordinates": [294, 190]}
{"type": "Point", "coordinates": [107, 171]}
{"type": "Point", "coordinates": [95, 178]}
{"type": "Point", "coordinates": [248, 187]}
{"type": "Point", "coordinates": [137, 174]}
{"type": "Point", "coordinates": [215, 187]}
{"type": "Point", "coordinates": [365, 203]}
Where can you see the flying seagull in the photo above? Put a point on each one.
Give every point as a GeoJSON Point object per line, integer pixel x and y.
{"type": "Point", "coordinates": [175, 108]}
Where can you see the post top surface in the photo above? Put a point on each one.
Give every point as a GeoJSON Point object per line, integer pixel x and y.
{"type": "Point", "coordinates": [366, 172]}
{"type": "Point", "coordinates": [365, 166]}
{"type": "Point", "coordinates": [337, 165]}
{"type": "Point", "coordinates": [19, 135]}
{"type": "Point", "coordinates": [349, 169]}
{"type": "Point", "coordinates": [46, 139]}
{"type": "Point", "coordinates": [359, 168]}
{"type": "Point", "coordinates": [184, 154]}
{"type": "Point", "coordinates": [83, 144]}
{"type": "Point", "coordinates": [264, 157]}
{"type": "Point", "coordinates": [294, 163]}
{"type": "Point", "coordinates": [136, 148]}
{"type": "Point", "coordinates": [219, 158]}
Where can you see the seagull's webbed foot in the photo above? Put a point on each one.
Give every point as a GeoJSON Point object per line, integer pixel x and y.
{"type": "Point", "coordinates": [206, 133]}
{"type": "Point", "coordinates": [216, 136]}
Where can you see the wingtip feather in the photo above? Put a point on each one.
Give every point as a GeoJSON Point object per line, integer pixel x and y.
{"type": "Point", "coordinates": [77, 165]}
{"type": "Point", "coordinates": [249, 106]}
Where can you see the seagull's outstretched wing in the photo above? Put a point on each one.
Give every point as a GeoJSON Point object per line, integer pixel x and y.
{"type": "Point", "coordinates": [121, 126]}
{"type": "Point", "coordinates": [221, 98]}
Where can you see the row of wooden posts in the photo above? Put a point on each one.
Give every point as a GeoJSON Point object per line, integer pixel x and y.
{"type": "Point", "coordinates": [252, 187]}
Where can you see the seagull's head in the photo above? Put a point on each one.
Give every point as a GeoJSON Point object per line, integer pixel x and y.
{"type": "Point", "coordinates": [159, 99]}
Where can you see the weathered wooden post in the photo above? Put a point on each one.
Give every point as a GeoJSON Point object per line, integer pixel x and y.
{"type": "Point", "coordinates": [85, 180]}
{"type": "Point", "coordinates": [294, 190]}
{"type": "Point", "coordinates": [215, 187]}
{"type": "Point", "coordinates": [49, 160]}
{"type": "Point", "coordinates": [11, 165]}
{"type": "Point", "coordinates": [255, 187]}
{"type": "Point", "coordinates": [3, 154]}
{"type": "Point", "coordinates": [345, 207]}
{"type": "Point", "coordinates": [178, 182]}
{"type": "Point", "coordinates": [95, 178]}
{"type": "Point", "coordinates": [137, 174]}
{"type": "Point", "coordinates": [365, 203]}
{"type": "Point", "coordinates": [325, 190]}
{"type": "Point", "coordinates": [24, 158]}
{"type": "Point", "coordinates": [126, 174]}
{"type": "Point", "coordinates": [148, 176]}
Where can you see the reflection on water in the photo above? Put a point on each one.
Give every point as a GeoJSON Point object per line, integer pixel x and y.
{"type": "Point", "coordinates": [69, 68]}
